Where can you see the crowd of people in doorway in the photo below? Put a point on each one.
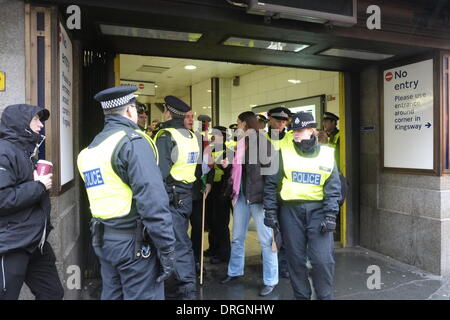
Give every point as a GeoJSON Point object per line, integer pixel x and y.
{"type": "Point", "coordinates": [147, 184]}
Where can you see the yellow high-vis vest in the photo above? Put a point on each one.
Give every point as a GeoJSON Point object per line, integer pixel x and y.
{"type": "Point", "coordinates": [278, 144]}
{"type": "Point", "coordinates": [109, 197]}
{"type": "Point", "coordinates": [335, 139]}
{"type": "Point", "coordinates": [183, 169]}
{"type": "Point", "coordinates": [231, 144]}
{"type": "Point", "coordinates": [218, 172]}
{"type": "Point", "coordinates": [305, 177]}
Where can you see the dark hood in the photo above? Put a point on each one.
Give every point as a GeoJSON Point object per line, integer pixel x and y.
{"type": "Point", "coordinates": [15, 124]}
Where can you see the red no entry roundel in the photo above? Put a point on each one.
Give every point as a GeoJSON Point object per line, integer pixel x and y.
{"type": "Point", "coordinates": [389, 76]}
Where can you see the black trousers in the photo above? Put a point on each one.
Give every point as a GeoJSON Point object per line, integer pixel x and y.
{"type": "Point", "coordinates": [37, 270]}
{"type": "Point", "coordinates": [219, 215]}
{"type": "Point", "coordinates": [196, 228]}
{"type": "Point", "coordinates": [184, 263]}
{"type": "Point", "coordinates": [302, 239]}
{"type": "Point", "coordinates": [125, 276]}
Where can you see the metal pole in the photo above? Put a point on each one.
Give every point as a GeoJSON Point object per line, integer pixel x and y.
{"type": "Point", "coordinates": [201, 249]}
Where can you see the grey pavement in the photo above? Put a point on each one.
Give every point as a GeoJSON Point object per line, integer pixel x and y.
{"type": "Point", "coordinates": [397, 281]}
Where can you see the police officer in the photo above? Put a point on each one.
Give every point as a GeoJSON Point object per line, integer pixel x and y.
{"type": "Point", "coordinates": [308, 188]}
{"type": "Point", "coordinates": [179, 152]}
{"type": "Point", "coordinates": [278, 135]}
{"type": "Point", "coordinates": [219, 202]}
{"type": "Point", "coordinates": [262, 120]}
{"type": "Point", "coordinates": [132, 226]}
{"type": "Point", "coordinates": [330, 127]}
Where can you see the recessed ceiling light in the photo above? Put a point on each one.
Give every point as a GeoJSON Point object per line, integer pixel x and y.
{"type": "Point", "coordinates": [265, 44]}
{"type": "Point", "coordinates": [156, 86]}
{"type": "Point", "coordinates": [208, 90]}
{"type": "Point", "coordinates": [253, 105]}
{"type": "Point", "coordinates": [294, 81]}
{"type": "Point", "coordinates": [356, 54]}
{"type": "Point", "coordinates": [190, 67]}
{"type": "Point", "coordinates": [125, 31]}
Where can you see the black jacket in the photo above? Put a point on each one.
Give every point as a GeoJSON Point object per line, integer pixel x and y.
{"type": "Point", "coordinates": [332, 187]}
{"type": "Point", "coordinates": [134, 162]}
{"type": "Point", "coordinates": [24, 203]}
{"type": "Point", "coordinates": [253, 177]}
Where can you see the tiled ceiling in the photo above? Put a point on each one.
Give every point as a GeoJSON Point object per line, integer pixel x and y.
{"type": "Point", "coordinates": [175, 80]}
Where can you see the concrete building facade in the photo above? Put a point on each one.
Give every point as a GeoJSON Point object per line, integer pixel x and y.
{"type": "Point", "coordinates": [403, 215]}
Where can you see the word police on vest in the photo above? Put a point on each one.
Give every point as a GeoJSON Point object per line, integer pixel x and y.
{"type": "Point", "coordinates": [306, 178]}
{"type": "Point", "coordinates": [93, 178]}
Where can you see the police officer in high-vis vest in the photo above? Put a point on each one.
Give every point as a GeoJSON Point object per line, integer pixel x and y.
{"type": "Point", "coordinates": [178, 155]}
{"type": "Point", "coordinates": [330, 127]}
{"type": "Point", "coordinates": [131, 226]}
{"type": "Point", "coordinates": [277, 132]}
{"type": "Point", "coordinates": [306, 191]}
{"type": "Point", "coordinates": [278, 135]}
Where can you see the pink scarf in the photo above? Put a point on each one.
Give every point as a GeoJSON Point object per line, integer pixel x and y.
{"type": "Point", "coordinates": [236, 170]}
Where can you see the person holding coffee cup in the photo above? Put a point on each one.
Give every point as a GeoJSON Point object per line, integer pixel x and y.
{"type": "Point", "coordinates": [25, 255]}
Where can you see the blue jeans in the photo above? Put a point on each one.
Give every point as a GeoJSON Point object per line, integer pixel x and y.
{"type": "Point", "coordinates": [241, 218]}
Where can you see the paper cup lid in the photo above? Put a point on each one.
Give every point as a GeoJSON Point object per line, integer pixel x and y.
{"type": "Point", "coordinates": [45, 162]}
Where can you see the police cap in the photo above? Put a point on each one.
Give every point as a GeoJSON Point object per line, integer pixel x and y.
{"type": "Point", "coordinates": [116, 97]}
{"type": "Point", "coordinates": [330, 116]}
{"type": "Point", "coordinates": [176, 106]}
{"type": "Point", "coordinates": [302, 120]}
{"type": "Point", "coordinates": [141, 108]}
{"type": "Point", "coordinates": [279, 113]}
{"type": "Point", "coordinates": [262, 118]}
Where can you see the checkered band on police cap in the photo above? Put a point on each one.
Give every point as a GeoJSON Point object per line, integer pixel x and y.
{"type": "Point", "coordinates": [118, 102]}
{"type": "Point", "coordinates": [116, 97]}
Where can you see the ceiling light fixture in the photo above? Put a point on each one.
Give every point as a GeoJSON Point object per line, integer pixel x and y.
{"type": "Point", "coordinates": [190, 67]}
{"type": "Point", "coordinates": [125, 31]}
{"type": "Point", "coordinates": [356, 54]}
{"type": "Point", "coordinates": [294, 81]}
{"type": "Point", "coordinates": [265, 44]}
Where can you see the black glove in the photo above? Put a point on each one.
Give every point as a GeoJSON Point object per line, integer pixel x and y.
{"type": "Point", "coordinates": [271, 219]}
{"type": "Point", "coordinates": [167, 261]}
{"type": "Point", "coordinates": [328, 224]}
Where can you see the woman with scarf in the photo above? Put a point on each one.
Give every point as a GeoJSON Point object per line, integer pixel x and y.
{"type": "Point", "coordinates": [247, 198]}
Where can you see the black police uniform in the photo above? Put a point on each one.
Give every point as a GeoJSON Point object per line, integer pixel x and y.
{"type": "Point", "coordinates": [125, 275]}
{"type": "Point", "coordinates": [197, 206]}
{"type": "Point", "coordinates": [280, 113]}
{"type": "Point", "coordinates": [182, 194]}
{"type": "Point", "coordinates": [300, 223]}
{"type": "Point", "coordinates": [219, 205]}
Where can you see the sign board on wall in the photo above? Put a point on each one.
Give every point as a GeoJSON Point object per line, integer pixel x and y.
{"type": "Point", "coordinates": [144, 88]}
{"type": "Point", "coordinates": [408, 116]}
{"type": "Point", "coordinates": [65, 106]}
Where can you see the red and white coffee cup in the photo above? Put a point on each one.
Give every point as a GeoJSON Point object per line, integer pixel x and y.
{"type": "Point", "coordinates": [44, 167]}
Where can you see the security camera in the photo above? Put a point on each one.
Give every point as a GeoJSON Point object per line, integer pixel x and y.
{"type": "Point", "coordinates": [267, 19]}
{"type": "Point", "coordinates": [329, 26]}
